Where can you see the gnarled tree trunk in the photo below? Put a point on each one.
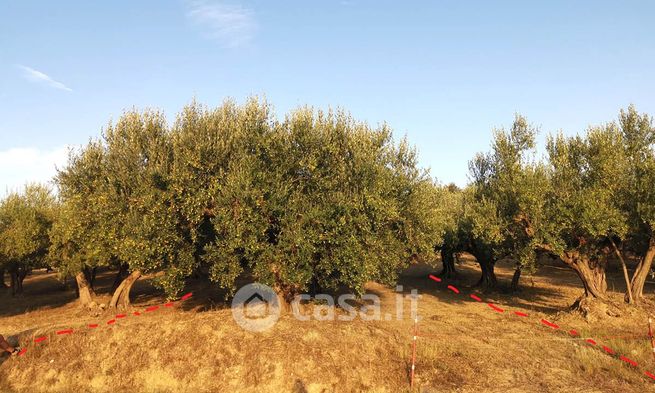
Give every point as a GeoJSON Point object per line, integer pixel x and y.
{"type": "Point", "coordinates": [90, 276]}
{"type": "Point", "coordinates": [84, 289]}
{"type": "Point", "coordinates": [591, 273]}
{"type": "Point", "coordinates": [13, 276]}
{"type": "Point", "coordinates": [515, 279]}
{"type": "Point", "coordinates": [17, 277]}
{"type": "Point", "coordinates": [448, 262]}
{"type": "Point", "coordinates": [121, 296]}
{"type": "Point", "coordinates": [2, 279]}
{"type": "Point", "coordinates": [487, 261]}
{"type": "Point", "coordinates": [628, 286]}
{"type": "Point", "coordinates": [120, 276]}
{"type": "Point", "coordinates": [641, 272]}
{"type": "Point", "coordinates": [488, 278]}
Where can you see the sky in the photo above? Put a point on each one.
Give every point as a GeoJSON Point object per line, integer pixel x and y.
{"type": "Point", "coordinates": [442, 73]}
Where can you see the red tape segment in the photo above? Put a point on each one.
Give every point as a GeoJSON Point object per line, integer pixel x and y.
{"type": "Point", "coordinates": [629, 361]}
{"type": "Point", "coordinates": [550, 324]}
{"type": "Point", "coordinates": [572, 332]}
{"type": "Point", "coordinates": [452, 288]}
{"type": "Point", "coordinates": [95, 325]}
{"type": "Point", "coordinates": [435, 278]}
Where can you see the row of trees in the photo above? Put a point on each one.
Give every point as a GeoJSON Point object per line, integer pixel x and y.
{"type": "Point", "coordinates": [319, 201]}
{"type": "Point", "coordinates": [316, 201]}
{"type": "Point", "coordinates": [591, 199]}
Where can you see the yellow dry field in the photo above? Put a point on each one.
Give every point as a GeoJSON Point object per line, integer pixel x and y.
{"type": "Point", "coordinates": [464, 346]}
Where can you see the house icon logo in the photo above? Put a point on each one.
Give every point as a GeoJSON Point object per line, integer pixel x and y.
{"type": "Point", "coordinates": [256, 307]}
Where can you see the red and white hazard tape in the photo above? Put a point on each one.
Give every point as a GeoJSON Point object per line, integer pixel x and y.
{"type": "Point", "coordinates": [556, 327]}
{"type": "Point", "coordinates": [109, 322]}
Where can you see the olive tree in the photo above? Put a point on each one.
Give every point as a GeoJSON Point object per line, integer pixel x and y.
{"type": "Point", "coordinates": [151, 235]}
{"type": "Point", "coordinates": [636, 198]}
{"type": "Point", "coordinates": [316, 201]}
{"type": "Point", "coordinates": [506, 187]}
{"type": "Point", "coordinates": [357, 204]}
{"type": "Point", "coordinates": [25, 219]}
{"type": "Point", "coordinates": [82, 236]}
{"type": "Point", "coordinates": [452, 202]}
{"type": "Point", "coordinates": [581, 215]}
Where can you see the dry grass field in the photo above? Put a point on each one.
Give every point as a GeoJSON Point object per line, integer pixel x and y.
{"type": "Point", "coordinates": [196, 346]}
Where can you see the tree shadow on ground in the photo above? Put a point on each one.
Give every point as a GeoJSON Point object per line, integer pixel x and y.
{"type": "Point", "coordinates": [551, 289]}
{"type": "Point", "coordinates": [207, 296]}
{"type": "Point", "coordinates": [42, 291]}
{"type": "Point", "coordinates": [540, 298]}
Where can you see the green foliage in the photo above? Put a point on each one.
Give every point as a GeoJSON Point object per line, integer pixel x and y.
{"type": "Point", "coordinates": [637, 196]}
{"type": "Point", "coordinates": [506, 195]}
{"type": "Point", "coordinates": [586, 177]}
{"type": "Point", "coordinates": [321, 200]}
{"type": "Point", "coordinates": [82, 235]}
{"type": "Point", "coordinates": [25, 219]}
{"type": "Point", "coordinates": [316, 199]}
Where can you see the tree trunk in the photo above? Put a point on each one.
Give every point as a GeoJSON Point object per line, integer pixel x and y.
{"type": "Point", "coordinates": [14, 281]}
{"type": "Point", "coordinates": [515, 279]}
{"type": "Point", "coordinates": [93, 277]}
{"type": "Point", "coordinates": [448, 262]}
{"type": "Point", "coordinates": [314, 288]}
{"type": "Point", "coordinates": [121, 296]}
{"type": "Point", "coordinates": [22, 273]}
{"type": "Point", "coordinates": [120, 276]}
{"type": "Point", "coordinates": [488, 277]}
{"type": "Point", "coordinates": [85, 291]}
{"type": "Point", "coordinates": [591, 273]}
{"type": "Point", "coordinates": [628, 297]}
{"type": "Point", "coordinates": [641, 272]}
{"type": "Point", "coordinates": [17, 277]}
{"type": "Point", "coordinates": [2, 279]}
{"type": "Point", "coordinates": [90, 276]}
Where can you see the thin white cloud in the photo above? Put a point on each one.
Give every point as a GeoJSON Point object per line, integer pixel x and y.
{"type": "Point", "coordinates": [33, 75]}
{"type": "Point", "coordinates": [19, 166]}
{"type": "Point", "coordinates": [231, 24]}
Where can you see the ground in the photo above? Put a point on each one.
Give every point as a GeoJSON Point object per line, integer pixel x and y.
{"type": "Point", "coordinates": [463, 345]}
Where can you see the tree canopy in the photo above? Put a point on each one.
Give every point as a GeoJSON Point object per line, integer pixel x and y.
{"type": "Point", "coordinates": [25, 219]}
{"type": "Point", "coordinates": [321, 201]}
{"type": "Point", "coordinates": [318, 200]}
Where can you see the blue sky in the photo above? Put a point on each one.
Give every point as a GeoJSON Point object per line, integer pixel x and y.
{"type": "Point", "coordinates": [444, 73]}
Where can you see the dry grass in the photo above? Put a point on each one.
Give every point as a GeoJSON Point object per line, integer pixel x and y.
{"type": "Point", "coordinates": [465, 346]}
